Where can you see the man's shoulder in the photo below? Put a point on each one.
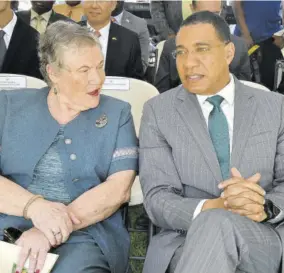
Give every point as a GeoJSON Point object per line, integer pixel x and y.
{"type": "Point", "coordinates": [265, 98]}
{"type": "Point", "coordinates": [166, 100]}
{"type": "Point", "coordinates": [25, 28]}
{"type": "Point", "coordinates": [57, 17]}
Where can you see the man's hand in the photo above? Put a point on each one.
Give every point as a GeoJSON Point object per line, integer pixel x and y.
{"type": "Point", "coordinates": [279, 41]}
{"type": "Point", "coordinates": [217, 203]}
{"type": "Point", "coordinates": [244, 196]}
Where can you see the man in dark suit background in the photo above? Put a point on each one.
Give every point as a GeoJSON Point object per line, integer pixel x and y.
{"type": "Point", "coordinates": [41, 15]}
{"type": "Point", "coordinates": [167, 75]}
{"type": "Point", "coordinates": [18, 44]}
{"type": "Point", "coordinates": [120, 46]}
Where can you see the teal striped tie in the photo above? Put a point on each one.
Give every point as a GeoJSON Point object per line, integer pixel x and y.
{"type": "Point", "coordinates": [219, 133]}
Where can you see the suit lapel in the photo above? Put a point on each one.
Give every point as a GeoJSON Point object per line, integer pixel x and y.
{"type": "Point", "coordinates": [192, 116]}
{"type": "Point", "coordinates": [245, 108]}
{"type": "Point", "coordinates": [125, 20]}
{"type": "Point", "coordinates": [52, 18]}
{"type": "Point", "coordinates": [14, 45]}
{"type": "Point", "coordinates": [112, 48]}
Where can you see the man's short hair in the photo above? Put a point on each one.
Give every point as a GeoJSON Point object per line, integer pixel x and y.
{"type": "Point", "coordinates": [206, 17]}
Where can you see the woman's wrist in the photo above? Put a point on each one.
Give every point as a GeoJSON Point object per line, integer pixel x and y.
{"type": "Point", "coordinates": [27, 207]}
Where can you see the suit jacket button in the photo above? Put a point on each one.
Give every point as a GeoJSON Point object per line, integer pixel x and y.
{"type": "Point", "coordinates": [73, 157]}
{"type": "Point", "coordinates": [75, 179]}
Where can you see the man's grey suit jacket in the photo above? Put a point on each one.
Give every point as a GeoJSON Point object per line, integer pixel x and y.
{"type": "Point", "coordinates": [139, 26]}
{"type": "Point", "coordinates": [167, 75]}
{"type": "Point", "coordinates": [179, 167]}
{"type": "Point", "coordinates": [167, 17]}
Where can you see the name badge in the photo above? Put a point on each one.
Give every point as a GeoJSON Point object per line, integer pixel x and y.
{"type": "Point", "coordinates": [116, 83]}
{"type": "Point", "coordinates": [12, 82]}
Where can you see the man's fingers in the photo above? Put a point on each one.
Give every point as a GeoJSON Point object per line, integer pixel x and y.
{"type": "Point", "coordinates": [239, 189]}
{"type": "Point", "coordinates": [245, 198]}
{"type": "Point", "coordinates": [247, 209]}
{"type": "Point", "coordinates": [255, 178]}
{"type": "Point", "coordinates": [235, 172]}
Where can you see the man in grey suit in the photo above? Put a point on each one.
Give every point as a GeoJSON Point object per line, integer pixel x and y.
{"type": "Point", "coordinates": [135, 24]}
{"type": "Point", "coordinates": [167, 18]}
{"type": "Point", "coordinates": [212, 163]}
{"type": "Point", "coordinates": [167, 75]}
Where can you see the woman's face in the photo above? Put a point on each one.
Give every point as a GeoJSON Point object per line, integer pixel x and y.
{"type": "Point", "coordinates": [81, 77]}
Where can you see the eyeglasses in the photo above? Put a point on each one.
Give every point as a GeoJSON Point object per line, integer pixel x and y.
{"type": "Point", "coordinates": [199, 51]}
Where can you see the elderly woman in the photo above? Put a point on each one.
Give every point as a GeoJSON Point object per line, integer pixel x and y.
{"type": "Point", "coordinates": [68, 159]}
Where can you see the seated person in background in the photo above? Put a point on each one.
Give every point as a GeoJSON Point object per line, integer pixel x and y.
{"type": "Point", "coordinates": [71, 9]}
{"type": "Point", "coordinates": [167, 17]}
{"type": "Point", "coordinates": [15, 5]}
{"type": "Point", "coordinates": [257, 21]}
{"type": "Point", "coordinates": [68, 160]}
{"type": "Point", "coordinates": [41, 15]}
{"type": "Point", "coordinates": [167, 75]}
{"type": "Point", "coordinates": [211, 163]}
{"type": "Point", "coordinates": [137, 25]}
{"type": "Point", "coordinates": [120, 46]}
{"type": "Point", "coordinates": [18, 44]}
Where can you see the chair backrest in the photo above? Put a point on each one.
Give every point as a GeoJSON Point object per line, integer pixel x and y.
{"type": "Point", "coordinates": [139, 92]}
{"type": "Point", "coordinates": [22, 81]}
{"type": "Point", "coordinates": [160, 47]}
{"type": "Point", "coordinates": [255, 85]}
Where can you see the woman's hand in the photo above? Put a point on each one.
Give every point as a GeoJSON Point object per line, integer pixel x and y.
{"type": "Point", "coordinates": [35, 246]}
{"type": "Point", "coordinates": [53, 219]}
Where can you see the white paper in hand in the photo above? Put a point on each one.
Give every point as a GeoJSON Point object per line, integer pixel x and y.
{"type": "Point", "coordinates": [9, 254]}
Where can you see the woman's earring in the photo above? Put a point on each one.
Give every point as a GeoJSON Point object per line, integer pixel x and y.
{"type": "Point", "coordinates": [55, 91]}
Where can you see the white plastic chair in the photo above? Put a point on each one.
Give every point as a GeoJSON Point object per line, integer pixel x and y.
{"type": "Point", "coordinates": [139, 92]}
{"type": "Point", "coordinates": [255, 85]}
{"type": "Point", "coordinates": [26, 81]}
{"type": "Point", "coordinates": [160, 47]}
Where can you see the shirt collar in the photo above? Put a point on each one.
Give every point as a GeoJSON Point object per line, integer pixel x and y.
{"type": "Point", "coordinates": [9, 28]}
{"type": "Point", "coordinates": [118, 17]}
{"type": "Point", "coordinates": [103, 31]}
{"type": "Point", "coordinates": [228, 93]}
{"type": "Point", "coordinates": [45, 16]}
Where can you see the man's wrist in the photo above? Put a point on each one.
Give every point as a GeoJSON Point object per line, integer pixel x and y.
{"type": "Point", "coordinates": [217, 203]}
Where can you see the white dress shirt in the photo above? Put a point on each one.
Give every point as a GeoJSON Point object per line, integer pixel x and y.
{"type": "Point", "coordinates": [8, 29]}
{"type": "Point", "coordinates": [227, 106]}
{"type": "Point", "coordinates": [118, 18]}
{"type": "Point", "coordinates": [103, 38]}
{"type": "Point", "coordinates": [44, 22]}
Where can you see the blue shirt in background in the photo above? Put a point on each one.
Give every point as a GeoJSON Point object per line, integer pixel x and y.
{"type": "Point", "coordinates": [263, 18]}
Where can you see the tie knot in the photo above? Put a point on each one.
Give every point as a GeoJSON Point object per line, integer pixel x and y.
{"type": "Point", "coordinates": [215, 100]}
{"type": "Point", "coordinates": [2, 33]}
{"type": "Point", "coordinates": [97, 33]}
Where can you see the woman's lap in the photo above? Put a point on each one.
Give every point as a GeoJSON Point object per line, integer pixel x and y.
{"type": "Point", "coordinates": [80, 258]}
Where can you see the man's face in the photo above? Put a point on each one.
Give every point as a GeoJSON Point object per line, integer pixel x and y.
{"type": "Point", "coordinates": [212, 6]}
{"type": "Point", "coordinates": [41, 7]}
{"type": "Point", "coordinates": [98, 12]}
{"type": "Point", "coordinates": [4, 5]}
{"type": "Point", "coordinates": [202, 59]}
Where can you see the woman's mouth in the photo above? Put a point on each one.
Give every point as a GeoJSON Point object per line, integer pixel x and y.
{"type": "Point", "coordinates": [94, 93]}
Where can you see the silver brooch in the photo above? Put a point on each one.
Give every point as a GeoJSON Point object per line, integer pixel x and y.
{"type": "Point", "coordinates": [102, 121]}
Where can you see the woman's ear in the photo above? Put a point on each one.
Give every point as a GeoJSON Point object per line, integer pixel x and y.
{"type": "Point", "coordinates": [52, 73]}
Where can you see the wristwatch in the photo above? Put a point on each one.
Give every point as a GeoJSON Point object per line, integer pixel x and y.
{"type": "Point", "coordinates": [271, 210]}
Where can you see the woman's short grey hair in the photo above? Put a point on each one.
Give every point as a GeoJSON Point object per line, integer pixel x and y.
{"type": "Point", "coordinates": [58, 37]}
